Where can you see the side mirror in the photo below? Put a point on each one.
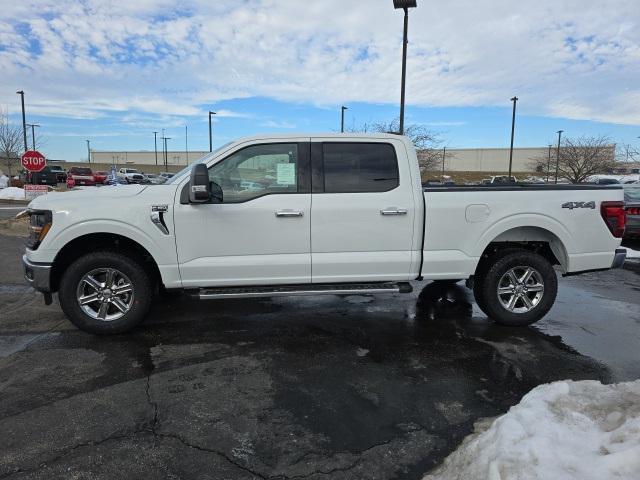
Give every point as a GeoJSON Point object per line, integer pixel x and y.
{"type": "Point", "coordinates": [199, 188]}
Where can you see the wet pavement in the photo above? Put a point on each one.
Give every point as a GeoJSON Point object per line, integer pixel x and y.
{"type": "Point", "coordinates": [307, 387]}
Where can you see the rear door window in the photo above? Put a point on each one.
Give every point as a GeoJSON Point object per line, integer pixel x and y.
{"type": "Point", "coordinates": [359, 167]}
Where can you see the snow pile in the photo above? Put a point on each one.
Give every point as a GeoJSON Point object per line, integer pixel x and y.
{"type": "Point", "coordinates": [12, 193]}
{"type": "Point", "coordinates": [631, 253]}
{"type": "Point", "coordinates": [563, 430]}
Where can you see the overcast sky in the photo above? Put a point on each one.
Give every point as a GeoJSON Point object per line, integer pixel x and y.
{"type": "Point", "coordinates": [114, 71]}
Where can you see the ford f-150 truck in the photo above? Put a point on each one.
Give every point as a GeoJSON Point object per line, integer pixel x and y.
{"type": "Point", "coordinates": [314, 214]}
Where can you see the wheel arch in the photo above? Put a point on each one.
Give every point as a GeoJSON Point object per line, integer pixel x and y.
{"type": "Point", "coordinates": [533, 238]}
{"type": "Point", "coordinates": [92, 242]}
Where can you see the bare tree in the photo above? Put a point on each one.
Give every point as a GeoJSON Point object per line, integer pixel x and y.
{"type": "Point", "coordinates": [10, 140]}
{"type": "Point", "coordinates": [579, 158]}
{"type": "Point", "coordinates": [426, 142]}
{"type": "Point", "coordinates": [627, 153]}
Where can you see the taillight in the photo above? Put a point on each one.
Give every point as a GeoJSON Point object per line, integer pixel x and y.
{"type": "Point", "coordinates": [633, 210]}
{"type": "Point", "coordinates": [614, 216]}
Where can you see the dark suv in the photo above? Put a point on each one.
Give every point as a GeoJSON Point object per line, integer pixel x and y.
{"type": "Point", "coordinates": [60, 173]}
{"type": "Point", "coordinates": [44, 177]}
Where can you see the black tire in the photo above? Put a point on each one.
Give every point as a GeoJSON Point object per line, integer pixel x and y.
{"type": "Point", "coordinates": [490, 275]}
{"type": "Point", "coordinates": [135, 272]}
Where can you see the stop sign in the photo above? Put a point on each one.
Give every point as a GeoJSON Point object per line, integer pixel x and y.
{"type": "Point", "coordinates": [33, 161]}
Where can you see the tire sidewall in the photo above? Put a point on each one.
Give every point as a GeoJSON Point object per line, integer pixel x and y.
{"type": "Point", "coordinates": [491, 303]}
{"type": "Point", "coordinates": [130, 267]}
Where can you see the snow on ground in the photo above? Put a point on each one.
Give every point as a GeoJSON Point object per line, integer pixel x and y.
{"type": "Point", "coordinates": [564, 430]}
{"type": "Point", "coordinates": [631, 253]}
{"type": "Point", "coordinates": [12, 193]}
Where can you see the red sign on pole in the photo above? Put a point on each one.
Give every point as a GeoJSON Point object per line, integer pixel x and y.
{"type": "Point", "coordinates": [33, 161]}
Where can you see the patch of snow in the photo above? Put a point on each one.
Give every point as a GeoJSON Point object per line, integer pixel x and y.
{"type": "Point", "coordinates": [12, 193]}
{"type": "Point", "coordinates": [361, 352]}
{"type": "Point", "coordinates": [564, 430]}
{"type": "Point", "coordinates": [631, 253]}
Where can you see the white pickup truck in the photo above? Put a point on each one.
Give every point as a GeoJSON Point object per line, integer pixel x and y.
{"type": "Point", "coordinates": [314, 214]}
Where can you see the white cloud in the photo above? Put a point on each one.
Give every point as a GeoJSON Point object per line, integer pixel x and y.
{"type": "Point", "coordinates": [576, 59]}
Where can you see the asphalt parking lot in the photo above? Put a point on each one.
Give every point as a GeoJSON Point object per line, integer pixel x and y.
{"type": "Point", "coordinates": [315, 387]}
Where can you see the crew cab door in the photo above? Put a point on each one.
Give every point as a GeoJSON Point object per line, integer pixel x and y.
{"type": "Point", "coordinates": [260, 233]}
{"type": "Point", "coordinates": [363, 223]}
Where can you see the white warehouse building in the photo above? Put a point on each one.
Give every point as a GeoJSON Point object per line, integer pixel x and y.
{"type": "Point", "coordinates": [145, 157]}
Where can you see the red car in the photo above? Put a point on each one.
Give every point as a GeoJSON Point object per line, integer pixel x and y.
{"type": "Point", "coordinates": [100, 177]}
{"type": "Point", "coordinates": [80, 176]}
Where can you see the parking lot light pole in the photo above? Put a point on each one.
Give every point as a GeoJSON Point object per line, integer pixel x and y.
{"type": "Point", "coordinates": [210, 132]}
{"type": "Point", "coordinates": [155, 145]}
{"type": "Point", "coordinates": [33, 133]}
{"type": "Point", "coordinates": [343, 108]}
{"type": "Point", "coordinates": [444, 155]}
{"type": "Point", "coordinates": [513, 128]}
{"type": "Point", "coordinates": [24, 120]}
{"type": "Point", "coordinates": [166, 152]}
{"type": "Point", "coordinates": [549, 163]}
{"type": "Point", "coordinates": [89, 151]}
{"type": "Point", "coordinates": [558, 154]}
{"type": "Point", "coordinates": [405, 5]}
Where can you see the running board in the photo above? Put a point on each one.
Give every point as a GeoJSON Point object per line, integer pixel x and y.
{"type": "Point", "coordinates": [306, 289]}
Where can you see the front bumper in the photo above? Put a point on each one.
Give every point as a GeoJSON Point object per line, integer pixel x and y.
{"type": "Point", "coordinates": [619, 258]}
{"type": "Point", "coordinates": [38, 275]}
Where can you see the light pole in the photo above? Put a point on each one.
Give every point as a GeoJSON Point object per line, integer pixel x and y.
{"type": "Point", "coordinates": [210, 134]}
{"type": "Point", "coordinates": [558, 154]}
{"type": "Point", "coordinates": [155, 145]}
{"type": "Point", "coordinates": [549, 163]}
{"type": "Point", "coordinates": [24, 120]}
{"type": "Point", "coordinates": [405, 5]}
{"type": "Point", "coordinates": [513, 128]}
{"type": "Point", "coordinates": [444, 155]}
{"type": "Point", "coordinates": [343, 108]}
{"type": "Point", "coordinates": [33, 133]}
{"type": "Point", "coordinates": [166, 152]}
{"type": "Point", "coordinates": [89, 151]}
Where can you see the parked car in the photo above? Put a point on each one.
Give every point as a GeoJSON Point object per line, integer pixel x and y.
{"type": "Point", "coordinates": [154, 179]}
{"type": "Point", "coordinates": [80, 176]}
{"type": "Point", "coordinates": [632, 207]}
{"type": "Point", "coordinates": [166, 175]}
{"type": "Point", "coordinates": [61, 174]}
{"type": "Point", "coordinates": [100, 177]}
{"type": "Point", "coordinates": [503, 179]}
{"type": "Point", "coordinates": [607, 181]}
{"type": "Point", "coordinates": [131, 175]}
{"type": "Point", "coordinates": [44, 177]}
{"type": "Point", "coordinates": [346, 214]}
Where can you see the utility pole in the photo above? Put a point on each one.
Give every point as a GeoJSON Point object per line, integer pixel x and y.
{"type": "Point", "coordinates": [343, 108]}
{"type": "Point", "coordinates": [33, 133]}
{"type": "Point", "coordinates": [513, 127]}
{"type": "Point", "coordinates": [549, 163]}
{"type": "Point", "coordinates": [558, 154]}
{"type": "Point", "coordinates": [155, 145]}
{"type": "Point", "coordinates": [210, 133]}
{"type": "Point", "coordinates": [88, 151]}
{"type": "Point", "coordinates": [24, 120]}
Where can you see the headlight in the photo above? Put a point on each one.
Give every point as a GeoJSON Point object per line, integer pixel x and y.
{"type": "Point", "coordinates": [39, 225]}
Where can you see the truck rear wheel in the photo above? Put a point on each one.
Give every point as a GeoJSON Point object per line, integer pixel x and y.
{"type": "Point", "coordinates": [105, 292]}
{"type": "Point", "coordinates": [518, 288]}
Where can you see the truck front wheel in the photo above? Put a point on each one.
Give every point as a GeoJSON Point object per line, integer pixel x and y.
{"type": "Point", "coordinates": [105, 292]}
{"type": "Point", "coordinates": [517, 289]}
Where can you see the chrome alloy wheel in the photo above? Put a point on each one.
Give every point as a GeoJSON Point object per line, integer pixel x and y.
{"type": "Point", "coordinates": [105, 294]}
{"type": "Point", "coordinates": [520, 289]}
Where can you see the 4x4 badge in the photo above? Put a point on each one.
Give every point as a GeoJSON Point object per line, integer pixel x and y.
{"type": "Point", "coordinates": [572, 205]}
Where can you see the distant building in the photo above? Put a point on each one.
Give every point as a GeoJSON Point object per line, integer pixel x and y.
{"type": "Point", "coordinates": [144, 157]}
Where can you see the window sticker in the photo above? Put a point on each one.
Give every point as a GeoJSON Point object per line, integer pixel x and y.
{"type": "Point", "coordinates": [286, 173]}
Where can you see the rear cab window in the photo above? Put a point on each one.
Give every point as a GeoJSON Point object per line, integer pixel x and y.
{"type": "Point", "coordinates": [358, 167]}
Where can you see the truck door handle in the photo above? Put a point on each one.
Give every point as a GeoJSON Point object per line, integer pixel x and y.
{"type": "Point", "coordinates": [289, 213]}
{"type": "Point", "coordinates": [393, 211]}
